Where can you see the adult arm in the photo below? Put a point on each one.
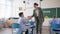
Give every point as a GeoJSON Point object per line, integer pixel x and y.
{"type": "Point", "coordinates": [33, 13]}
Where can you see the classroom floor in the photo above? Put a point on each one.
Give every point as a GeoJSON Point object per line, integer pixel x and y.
{"type": "Point", "coordinates": [9, 31]}
{"type": "Point", "coordinates": [45, 30]}
{"type": "Point", "coordinates": [6, 31]}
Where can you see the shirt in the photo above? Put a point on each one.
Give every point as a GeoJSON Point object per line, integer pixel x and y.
{"type": "Point", "coordinates": [55, 21]}
{"type": "Point", "coordinates": [22, 22]}
{"type": "Point", "coordinates": [36, 11]}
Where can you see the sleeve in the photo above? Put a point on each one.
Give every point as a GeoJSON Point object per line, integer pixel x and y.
{"type": "Point", "coordinates": [50, 22]}
{"type": "Point", "coordinates": [41, 14]}
{"type": "Point", "coordinates": [18, 21]}
{"type": "Point", "coordinates": [59, 21]}
{"type": "Point", "coordinates": [33, 13]}
{"type": "Point", "coordinates": [25, 21]}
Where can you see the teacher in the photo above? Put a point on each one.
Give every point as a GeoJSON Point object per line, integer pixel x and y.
{"type": "Point", "coordinates": [38, 14]}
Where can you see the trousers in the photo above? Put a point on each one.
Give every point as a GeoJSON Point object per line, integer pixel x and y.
{"type": "Point", "coordinates": [38, 26]}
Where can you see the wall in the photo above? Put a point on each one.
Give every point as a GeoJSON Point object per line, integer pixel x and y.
{"type": "Point", "coordinates": [27, 8]}
{"type": "Point", "coordinates": [50, 3]}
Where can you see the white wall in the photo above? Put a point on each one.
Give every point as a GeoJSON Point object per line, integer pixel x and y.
{"type": "Point", "coordinates": [29, 7]}
{"type": "Point", "coordinates": [50, 3]}
{"type": "Point", "coordinates": [26, 8]}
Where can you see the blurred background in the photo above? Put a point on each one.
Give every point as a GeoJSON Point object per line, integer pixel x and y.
{"type": "Point", "coordinates": [9, 10]}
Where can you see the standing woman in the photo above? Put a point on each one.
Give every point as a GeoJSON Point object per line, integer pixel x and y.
{"type": "Point", "coordinates": [38, 14]}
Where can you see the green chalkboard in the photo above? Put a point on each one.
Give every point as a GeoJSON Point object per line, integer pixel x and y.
{"type": "Point", "coordinates": [58, 12]}
{"type": "Point", "coordinates": [49, 12]}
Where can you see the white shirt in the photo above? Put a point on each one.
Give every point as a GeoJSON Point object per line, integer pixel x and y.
{"type": "Point", "coordinates": [36, 11]}
{"type": "Point", "coordinates": [22, 22]}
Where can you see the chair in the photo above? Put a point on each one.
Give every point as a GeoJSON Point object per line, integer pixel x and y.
{"type": "Point", "coordinates": [32, 26]}
{"type": "Point", "coordinates": [14, 26]}
{"type": "Point", "coordinates": [57, 30]}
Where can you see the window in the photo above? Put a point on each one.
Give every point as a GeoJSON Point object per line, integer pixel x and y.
{"type": "Point", "coordinates": [5, 8]}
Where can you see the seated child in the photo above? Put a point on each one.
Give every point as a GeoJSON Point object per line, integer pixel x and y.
{"type": "Point", "coordinates": [54, 21]}
{"type": "Point", "coordinates": [22, 21]}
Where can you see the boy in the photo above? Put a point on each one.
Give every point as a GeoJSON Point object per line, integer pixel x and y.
{"type": "Point", "coordinates": [22, 21]}
{"type": "Point", "coordinates": [55, 21]}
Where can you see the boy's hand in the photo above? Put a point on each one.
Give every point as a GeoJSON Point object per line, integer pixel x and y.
{"type": "Point", "coordinates": [29, 17]}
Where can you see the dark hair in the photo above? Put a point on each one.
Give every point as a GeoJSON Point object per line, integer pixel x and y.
{"type": "Point", "coordinates": [20, 14]}
{"type": "Point", "coordinates": [36, 4]}
{"type": "Point", "coordinates": [54, 16]}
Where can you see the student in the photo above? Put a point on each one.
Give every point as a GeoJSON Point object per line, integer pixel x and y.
{"type": "Point", "coordinates": [54, 21]}
{"type": "Point", "coordinates": [22, 21]}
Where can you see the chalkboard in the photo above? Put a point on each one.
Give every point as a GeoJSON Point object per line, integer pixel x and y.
{"type": "Point", "coordinates": [58, 12]}
{"type": "Point", "coordinates": [49, 12]}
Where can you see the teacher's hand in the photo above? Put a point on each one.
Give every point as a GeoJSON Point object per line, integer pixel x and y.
{"type": "Point", "coordinates": [29, 17]}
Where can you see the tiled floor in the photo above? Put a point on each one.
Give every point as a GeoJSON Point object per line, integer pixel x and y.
{"type": "Point", "coordinates": [6, 31]}
{"type": "Point", "coordinates": [9, 31]}
{"type": "Point", "coordinates": [45, 30]}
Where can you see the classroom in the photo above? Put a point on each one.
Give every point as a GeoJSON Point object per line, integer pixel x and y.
{"type": "Point", "coordinates": [13, 11]}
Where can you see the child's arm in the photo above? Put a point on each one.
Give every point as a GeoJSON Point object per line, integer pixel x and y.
{"type": "Point", "coordinates": [25, 21]}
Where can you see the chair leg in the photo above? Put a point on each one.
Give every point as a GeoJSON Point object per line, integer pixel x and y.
{"type": "Point", "coordinates": [26, 31]}
{"type": "Point", "coordinates": [12, 30]}
{"type": "Point", "coordinates": [49, 30]}
{"type": "Point", "coordinates": [52, 33]}
{"type": "Point", "coordinates": [57, 33]}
